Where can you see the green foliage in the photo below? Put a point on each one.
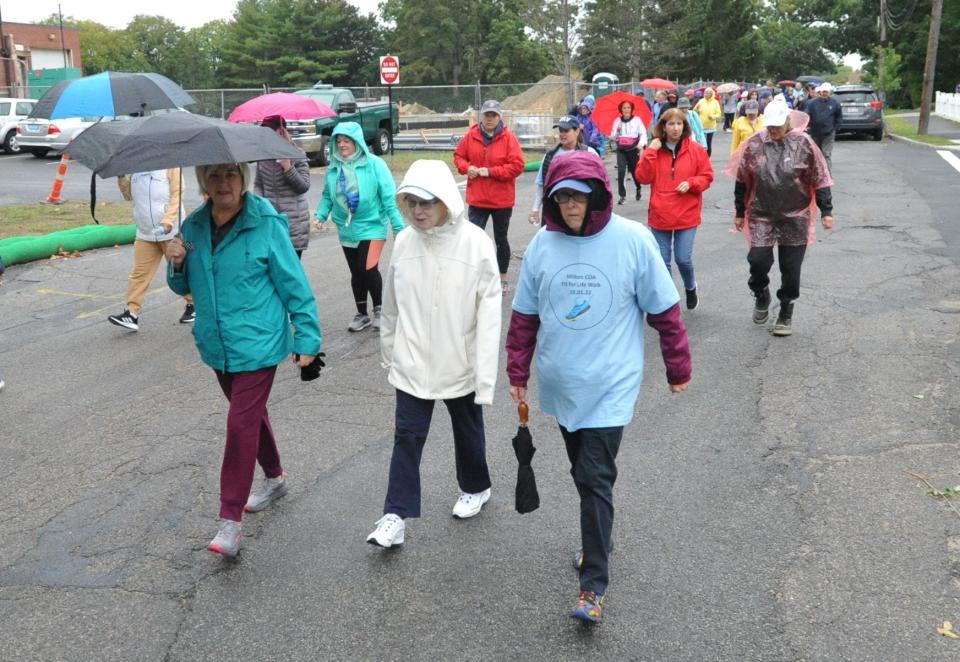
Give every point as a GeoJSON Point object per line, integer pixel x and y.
{"type": "Point", "coordinates": [885, 78]}
{"type": "Point", "coordinates": [283, 43]}
{"type": "Point", "coordinates": [106, 49]}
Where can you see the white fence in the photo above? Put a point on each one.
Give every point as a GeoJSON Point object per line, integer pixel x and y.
{"type": "Point", "coordinates": [948, 105]}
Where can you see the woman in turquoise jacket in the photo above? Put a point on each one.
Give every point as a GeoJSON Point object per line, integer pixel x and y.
{"type": "Point", "coordinates": [235, 257]}
{"type": "Point", "coordinates": [359, 193]}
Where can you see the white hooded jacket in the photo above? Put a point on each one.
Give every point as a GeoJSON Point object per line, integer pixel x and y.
{"type": "Point", "coordinates": [440, 321]}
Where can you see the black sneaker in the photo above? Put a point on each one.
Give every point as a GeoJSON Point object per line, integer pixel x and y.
{"type": "Point", "coordinates": [692, 299]}
{"type": "Point", "coordinates": [189, 314]}
{"type": "Point", "coordinates": [761, 308]}
{"type": "Point", "coordinates": [638, 193]}
{"type": "Point", "coordinates": [784, 319]}
{"type": "Point", "coordinates": [127, 320]}
{"type": "Point", "coordinates": [620, 201]}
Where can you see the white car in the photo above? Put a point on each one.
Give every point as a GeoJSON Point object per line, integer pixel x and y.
{"type": "Point", "coordinates": [11, 112]}
{"type": "Point", "coordinates": [39, 137]}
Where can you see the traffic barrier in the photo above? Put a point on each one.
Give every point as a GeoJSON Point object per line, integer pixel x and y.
{"type": "Point", "coordinates": [17, 250]}
{"type": "Point", "coordinates": [54, 197]}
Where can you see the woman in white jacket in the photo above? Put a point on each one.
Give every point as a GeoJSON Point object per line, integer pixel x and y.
{"type": "Point", "coordinates": [439, 339]}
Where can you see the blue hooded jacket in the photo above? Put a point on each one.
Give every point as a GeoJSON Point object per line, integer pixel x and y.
{"type": "Point", "coordinates": [589, 129]}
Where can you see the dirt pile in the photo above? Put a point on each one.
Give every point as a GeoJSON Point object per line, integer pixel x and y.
{"type": "Point", "coordinates": [548, 95]}
{"type": "Point", "coordinates": [415, 109]}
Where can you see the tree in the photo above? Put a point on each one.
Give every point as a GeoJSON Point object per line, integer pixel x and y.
{"type": "Point", "coordinates": [288, 43]}
{"type": "Point", "coordinates": [554, 25]}
{"type": "Point", "coordinates": [158, 40]}
{"type": "Point", "coordinates": [106, 49]}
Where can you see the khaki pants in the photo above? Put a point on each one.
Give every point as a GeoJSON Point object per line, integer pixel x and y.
{"type": "Point", "coordinates": [146, 260]}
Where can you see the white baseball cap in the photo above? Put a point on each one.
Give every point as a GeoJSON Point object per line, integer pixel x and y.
{"type": "Point", "coordinates": [825, 87]}
{"type": "Point", "coordinates": [776, 113]}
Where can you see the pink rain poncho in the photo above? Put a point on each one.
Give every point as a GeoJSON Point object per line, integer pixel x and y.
{"type": "Point", "coordinates": [781, 177]}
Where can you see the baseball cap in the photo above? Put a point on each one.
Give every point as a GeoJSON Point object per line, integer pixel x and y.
{"type": "Point", "coordinates": [776, 113]}
{"type": "Point", "coordinates": [751, 107]}
{"type": "Point", "coordinates": [567, 122]}
{"type": "Point", "coordinates": [825, 87]}
{"type": "Point", "coordinates": [572, 184]}
{"type": "Point", "coordinates": [491, 106]}
{"type": "Point", "coordinates": [410, 189]}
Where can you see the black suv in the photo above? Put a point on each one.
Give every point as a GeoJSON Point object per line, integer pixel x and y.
{"type": "Point", "coordinates": [862, 110]}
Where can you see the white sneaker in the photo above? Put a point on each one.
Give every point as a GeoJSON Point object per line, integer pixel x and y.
{"type": "Point", "coordinates": [469, 505]}
{"type": "Point", "coordinates": [389, 532]}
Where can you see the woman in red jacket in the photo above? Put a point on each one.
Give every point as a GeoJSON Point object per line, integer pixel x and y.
{"type": "Point", "coordinates": [678, 171]}
{"type": "Point", "coordinates": [491, 158]}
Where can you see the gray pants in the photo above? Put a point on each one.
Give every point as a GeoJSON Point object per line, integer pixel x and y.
{"type": "Point", "coordinates": [825, 143]}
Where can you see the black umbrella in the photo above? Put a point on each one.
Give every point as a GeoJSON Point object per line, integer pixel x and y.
{"type": "Point", "coordinates": [527, 498]}
{"type": "Point", "coordinates": [110, 94]}
{"type": "Point", "coordinates": [173, 140]}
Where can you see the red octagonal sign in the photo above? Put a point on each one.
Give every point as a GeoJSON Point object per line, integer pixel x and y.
{"type": "Point", "coordinates": [389, 70]}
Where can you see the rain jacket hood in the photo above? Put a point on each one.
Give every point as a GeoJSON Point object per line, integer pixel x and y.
{"type": "Point", "coordinates": [435, 178]}
{"type": "Point", "coordinates": [587, 167]}
{"type": "Point", "coordinates": [354, 132]}
{"type": "Point", "coordinates": [589, 102]}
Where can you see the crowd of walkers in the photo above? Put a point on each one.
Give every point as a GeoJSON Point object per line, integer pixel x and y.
{"type": "Point", "coordinates": [588, 282]}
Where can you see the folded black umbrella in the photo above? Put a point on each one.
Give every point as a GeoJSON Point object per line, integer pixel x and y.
{"type": "Point", "coordinates": [527, 497]}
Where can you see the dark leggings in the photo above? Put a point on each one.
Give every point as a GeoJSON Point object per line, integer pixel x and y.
{"type": "Point", "coordinates": [709, 137]}
{"type": "Point", "coordinates": [501, 223]}
{"type": "Point", "coordinates": [627, 163]}
{"type": "Point", "coordinates": [364, 273]}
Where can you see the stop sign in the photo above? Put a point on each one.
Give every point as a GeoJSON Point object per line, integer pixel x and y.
{"type": "Point", "coordinates": [389, 70]}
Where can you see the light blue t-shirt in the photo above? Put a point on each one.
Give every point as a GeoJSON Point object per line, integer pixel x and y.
{"type": "Point", "coordinates": [590, 294]}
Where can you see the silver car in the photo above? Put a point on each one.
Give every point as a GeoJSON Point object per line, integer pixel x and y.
{"type": "Point", "coordinates": [40, 137]}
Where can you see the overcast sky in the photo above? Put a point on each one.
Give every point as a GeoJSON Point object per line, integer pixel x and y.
{"type": "Point", "coordinates": [185, 13]}
{"type": "Point", "coordinates": [116, 13]}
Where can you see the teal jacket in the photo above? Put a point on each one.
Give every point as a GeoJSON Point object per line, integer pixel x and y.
{"type": "Point", "coordinates": [248, 291]}
{"type": "Point", "coordinates": [378, 191]}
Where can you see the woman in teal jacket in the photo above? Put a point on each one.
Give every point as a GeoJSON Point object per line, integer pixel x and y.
{"type": "Point", "coordinates": [359, 193]}
{"type": "Point", "coordinates": [235, 257]}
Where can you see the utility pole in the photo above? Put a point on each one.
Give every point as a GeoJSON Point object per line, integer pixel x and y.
{"type": "Point", "coordinates": [883, 45]}
{"type": "Point", "coordinates": [929, 69]}
{"type": "Point", "coordinates": [63, 45]}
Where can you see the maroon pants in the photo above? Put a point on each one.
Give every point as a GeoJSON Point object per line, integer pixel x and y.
{"type": "Point", "coordinates": [249, 437]}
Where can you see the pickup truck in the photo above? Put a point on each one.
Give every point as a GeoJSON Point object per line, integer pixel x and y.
{"type": "Point", "coordinates": [313, 135]}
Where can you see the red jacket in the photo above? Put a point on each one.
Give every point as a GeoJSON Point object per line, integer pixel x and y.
{"type": "Point", "coordinates": [503, 157]}
{"type": "Point", "coordinates": [670, 210]}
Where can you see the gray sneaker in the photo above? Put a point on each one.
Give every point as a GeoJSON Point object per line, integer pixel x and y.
{"type": "Point", "coordinates": [227, 540]}
{"type": "Point", "coordinates": [376, 318]}
{"type": "Point", "coordinates": [269, 490]}
{"type": "Point", "coordinates": [359, 323]}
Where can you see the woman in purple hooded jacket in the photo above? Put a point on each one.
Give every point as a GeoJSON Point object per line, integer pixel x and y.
{"type": "Point", "coordinates": [588, 280]}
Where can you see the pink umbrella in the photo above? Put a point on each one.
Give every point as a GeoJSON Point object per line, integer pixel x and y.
{"type": "Point", "coordinates": [289, 106]}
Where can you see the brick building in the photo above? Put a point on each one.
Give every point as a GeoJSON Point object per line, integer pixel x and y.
{"type": "Point", "coordinates": [36, 48]}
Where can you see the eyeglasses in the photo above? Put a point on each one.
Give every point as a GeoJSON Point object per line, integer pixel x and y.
{"type": "Point", "coordinates": [563, 197]}
{"type": "Point", "coordinates": [413, 203]}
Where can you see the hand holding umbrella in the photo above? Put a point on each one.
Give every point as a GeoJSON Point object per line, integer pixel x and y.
{"type": "Point", "coordinates": [527, 498]}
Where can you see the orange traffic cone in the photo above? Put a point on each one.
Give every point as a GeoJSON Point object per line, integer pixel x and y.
{"type": "Point", "coordinates": [54, 197]}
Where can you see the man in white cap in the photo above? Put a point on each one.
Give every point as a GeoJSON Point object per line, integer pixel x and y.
{"type": "Point", "coordinates": [825, 118]}
{"type": "Point", "coordinates": [779, 174]}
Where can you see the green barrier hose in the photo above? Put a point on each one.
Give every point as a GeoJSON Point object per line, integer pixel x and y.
{"type": "Point", "coordinates": [533, 166]}
{"type": "Point", "coordinates": [17, 250]}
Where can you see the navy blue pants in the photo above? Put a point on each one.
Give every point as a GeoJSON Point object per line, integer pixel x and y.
{"type": "Point", "coordinates": [412, 426]}
{"type": "Point", "coordinates": [593, 465]}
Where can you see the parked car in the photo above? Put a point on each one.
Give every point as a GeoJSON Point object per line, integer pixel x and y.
{"type": "Point", "coordinates": [11, 112]}
{"type": "Point", "coordinates": [862, 110]}
{"type": "Point", "coordinates": [40, 137]}
{"type": "Point", "coordinates": [313, 135]}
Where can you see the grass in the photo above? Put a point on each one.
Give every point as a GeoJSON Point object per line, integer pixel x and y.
{"type": "Point", "coordinates": [905, 129]}
{"type": "Point", "coordinates": [401, 161]}
{"type": "Point", "coordinates": [38, 218]}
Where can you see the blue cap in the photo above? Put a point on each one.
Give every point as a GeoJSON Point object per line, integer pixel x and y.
{"type": "Point", "coordinates": [573, 184]}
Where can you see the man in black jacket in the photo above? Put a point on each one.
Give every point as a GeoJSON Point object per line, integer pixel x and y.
{"type": "Point", "coordinates": [825, 118]}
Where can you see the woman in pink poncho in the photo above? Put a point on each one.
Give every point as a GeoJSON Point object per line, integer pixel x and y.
{"type": "Point", "coordinates": [782, 178]}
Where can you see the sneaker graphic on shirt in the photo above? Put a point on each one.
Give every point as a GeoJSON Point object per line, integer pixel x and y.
{"type": "Point", "coordinates": [578, 310]}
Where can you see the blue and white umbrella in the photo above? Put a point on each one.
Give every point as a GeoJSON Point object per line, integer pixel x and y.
{"type": "Point", "coordinates": [110, 94]}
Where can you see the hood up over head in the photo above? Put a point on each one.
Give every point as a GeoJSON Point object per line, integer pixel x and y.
{"type": "Point", "coordinates": [586, 167]}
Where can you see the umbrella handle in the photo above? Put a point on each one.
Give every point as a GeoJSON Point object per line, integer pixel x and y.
{"type": "Point", "coordinates": [523, 412]}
